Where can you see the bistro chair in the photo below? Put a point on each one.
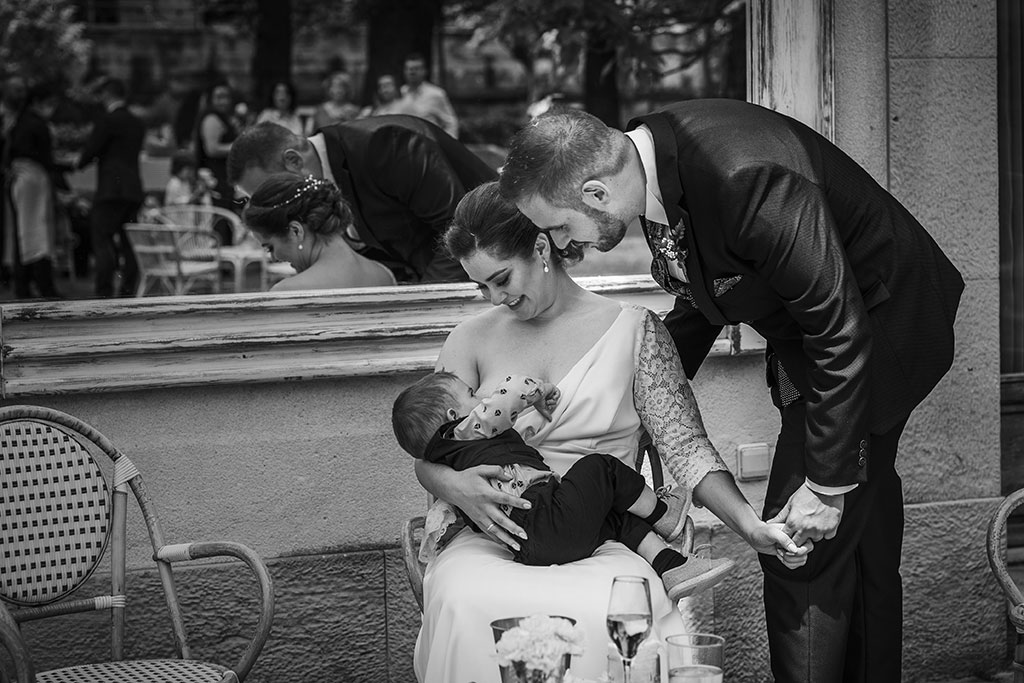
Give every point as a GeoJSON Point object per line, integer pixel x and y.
{"type": "Point", "coordinates": [59, 515]}
{"type": "Point", "coordinates": [412, 528]}
{"type": "Point", "coordinates": [996, 547]}
{"type": "Point", "coordinates": [176, 257]}
{"type": "Point", "coordinates": [203, 217]}
{"type": "Point", "coordinates": [244, 248]}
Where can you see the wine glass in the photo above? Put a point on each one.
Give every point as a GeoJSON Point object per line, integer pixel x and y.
{"type": "Point", "coordinates": [629, 617]}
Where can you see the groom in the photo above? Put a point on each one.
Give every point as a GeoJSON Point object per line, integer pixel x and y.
{"type": "Point", "coordinates": [753, 217]}
{"type": "Point", "coordinates": [402, 176]}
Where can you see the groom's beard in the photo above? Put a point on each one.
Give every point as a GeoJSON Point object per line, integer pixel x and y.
{"type": "Point", "coordinates": [610, 228]}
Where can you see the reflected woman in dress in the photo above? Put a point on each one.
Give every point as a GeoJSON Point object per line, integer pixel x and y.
{"type": "Point", "coordinates": [28, 202]}
{"type": "Point", "coordinates": [618, 373]}
{"type": "Point", "coordinates": [302, 220]}
{"type": "Point", "coordinates": [214, 135]}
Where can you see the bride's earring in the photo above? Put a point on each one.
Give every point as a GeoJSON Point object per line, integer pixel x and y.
{"type": "Point", "coordinates": [300, 247]}
{"type": "Point", "coordinates": [545, 262]}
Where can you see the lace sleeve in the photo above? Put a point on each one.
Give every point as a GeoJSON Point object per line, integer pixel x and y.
{"type": "Point", "coordinates": [668, 409]}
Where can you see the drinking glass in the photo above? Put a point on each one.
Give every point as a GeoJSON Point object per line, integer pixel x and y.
{"type": "Point", "coordinates": [629, 617]}
{"type": "Point", "coordinates": [695, 658]}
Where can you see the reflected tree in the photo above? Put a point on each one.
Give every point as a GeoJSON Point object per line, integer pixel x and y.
{"type": "Point", "coordinates": [41, 40]}
{"type": "Point", "coordinates": [614, 43]}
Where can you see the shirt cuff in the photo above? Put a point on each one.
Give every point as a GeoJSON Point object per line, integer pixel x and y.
{"type": "Point", "coordinates": [829, 490]}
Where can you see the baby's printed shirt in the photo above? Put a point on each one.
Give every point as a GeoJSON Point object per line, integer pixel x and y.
{"type": "Point", "coordinates": [499, 411]}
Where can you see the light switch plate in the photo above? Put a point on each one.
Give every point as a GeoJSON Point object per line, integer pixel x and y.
{"type": "Point", "coordinates": [754, 461]}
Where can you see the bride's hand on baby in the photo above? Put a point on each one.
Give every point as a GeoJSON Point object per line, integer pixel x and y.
{"type": "Point", "coordinates": [482, 503]}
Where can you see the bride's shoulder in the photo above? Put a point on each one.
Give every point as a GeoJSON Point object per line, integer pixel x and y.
{"type": "Point", "coordinates": [481, 325]}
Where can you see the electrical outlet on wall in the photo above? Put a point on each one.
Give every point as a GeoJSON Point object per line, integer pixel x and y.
{"type": "Point", "coordinates": [754, 460]}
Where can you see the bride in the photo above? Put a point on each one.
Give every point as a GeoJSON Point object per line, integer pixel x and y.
{"type": "Point", "coordinates": [302, 220]}
{"type": "Point", "coordinates": [618, 373]}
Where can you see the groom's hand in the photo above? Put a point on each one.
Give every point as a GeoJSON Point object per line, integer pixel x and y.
{"type": "Point", "coordinates": [810, 516]}
{"type": "Point", "coordinates": [482, 503]}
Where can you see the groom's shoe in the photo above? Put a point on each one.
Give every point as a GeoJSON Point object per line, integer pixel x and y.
{"type": "Point", "coordinates": [698, 574]}
{"type": "Point", "coordinates": [671, 525]}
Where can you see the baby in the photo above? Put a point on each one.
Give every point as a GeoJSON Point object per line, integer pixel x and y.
{"type": "Point", "coordinates": [439, 419]}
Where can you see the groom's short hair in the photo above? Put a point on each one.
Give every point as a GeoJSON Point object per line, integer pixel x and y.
{"type": "Point", "coordinates": [421, 409]}
{"type": "Point", "coordinates": [556, 153]}
{"type": "Point", "coordinates": [261, 146]}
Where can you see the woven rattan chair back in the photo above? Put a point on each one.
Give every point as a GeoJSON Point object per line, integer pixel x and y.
{"type": "Point", "coordinates": [54, 513]}
{"type": "Point", "coordinates": [59, 517]}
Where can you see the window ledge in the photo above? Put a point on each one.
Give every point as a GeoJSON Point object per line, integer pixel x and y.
{"type": "Point", "coordinates": [132, 344]}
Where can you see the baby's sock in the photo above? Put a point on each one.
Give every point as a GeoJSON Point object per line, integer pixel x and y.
{"type": "Point", "coordinates": [667, 559]}
{"type": "Point", "coordinates": [660, 508]}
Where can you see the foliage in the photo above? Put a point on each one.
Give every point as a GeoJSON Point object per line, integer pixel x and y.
{"type": "Point", "coordinates": [40, 39]}
{"type": "Point", "coordinates": [562, 29]}
{"type": "Point", "coordinates": [307, 15]}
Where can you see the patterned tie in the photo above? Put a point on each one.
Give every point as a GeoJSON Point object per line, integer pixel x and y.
{"type": "Point", "coordinates": [666, 247]}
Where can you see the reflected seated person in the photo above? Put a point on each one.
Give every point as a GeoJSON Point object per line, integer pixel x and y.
{"type": "Point", "coordinates": [302, 221]}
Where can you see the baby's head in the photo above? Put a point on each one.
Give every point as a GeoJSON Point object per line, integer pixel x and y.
{"type": "Point", "coordinates": [420, 409]}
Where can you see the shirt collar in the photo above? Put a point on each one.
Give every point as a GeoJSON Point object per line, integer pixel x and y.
{"type": "Point", "coordinates": [644, 143]}
{"type": "Point", "coordinates": [320, 147]}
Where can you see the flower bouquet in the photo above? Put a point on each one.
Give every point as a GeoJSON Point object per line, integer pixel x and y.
{"type": "Point", "coordinates": [536, 649]}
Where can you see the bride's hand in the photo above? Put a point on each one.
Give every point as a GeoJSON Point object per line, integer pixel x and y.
{"type": "Point", "coordinates": [771, 539]}
{"type": "Point", "coordinates": [481, 502]}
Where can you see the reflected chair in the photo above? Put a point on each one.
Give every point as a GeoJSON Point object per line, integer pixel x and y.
{"type": "Point", "coordinates": [59, 515]}
{"type": "Point", "coordinates": [174, 256]}
{"type": "Point", "coordinates": [244, 248]}
{"type": "Point", "coordinates": [203, 217]}
{"type": "Point", "coordinates": [412, 528]}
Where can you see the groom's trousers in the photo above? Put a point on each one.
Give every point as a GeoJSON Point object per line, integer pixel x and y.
{"type": "Point", "coordinates": [840, 616]}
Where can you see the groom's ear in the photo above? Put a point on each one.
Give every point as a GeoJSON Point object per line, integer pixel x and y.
{"type": "Point", "coordinates": [292, 159]}
{"type": "Point", "coordinates": [595, 193]}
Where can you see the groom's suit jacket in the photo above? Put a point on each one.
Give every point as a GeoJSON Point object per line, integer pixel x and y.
{"type": "Point", "coordinates": [850, 291]}
{"type": "Point", "coordinates": [403, 178]}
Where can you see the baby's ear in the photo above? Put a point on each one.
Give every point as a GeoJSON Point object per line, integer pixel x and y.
{"type": "Point", "coordinates": [452, 414]}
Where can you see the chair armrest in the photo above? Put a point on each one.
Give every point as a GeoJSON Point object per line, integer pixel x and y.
{"type": "Point", "coordinates": [11, 640]}
{"type": "Point", "coordinates": [410, 551]}
{"type": "Point", "coordinates": [200, 550]}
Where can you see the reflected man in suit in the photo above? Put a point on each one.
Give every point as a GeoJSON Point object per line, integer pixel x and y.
{"type": "Point", "coordinates": [753, 217]}
{"type": "Point", "coordinates": [115, 144]}
{"type": "Point", "coordinates": [402, 176]}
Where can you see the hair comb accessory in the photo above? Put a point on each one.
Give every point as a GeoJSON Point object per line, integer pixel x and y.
{"type": "Point", "coordinates": [309, 184]}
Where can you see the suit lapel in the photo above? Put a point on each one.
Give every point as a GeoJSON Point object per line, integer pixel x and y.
{"type": "Point", "coordinates": [666, 154]}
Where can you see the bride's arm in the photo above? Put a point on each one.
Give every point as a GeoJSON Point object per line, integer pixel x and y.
{"type": "Point", "coordinates": [669, 412]}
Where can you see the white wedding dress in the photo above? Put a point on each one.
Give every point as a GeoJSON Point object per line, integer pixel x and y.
{"type": "Point", "coordinates": [474, 580]}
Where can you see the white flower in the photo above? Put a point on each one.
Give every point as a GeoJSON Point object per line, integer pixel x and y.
{"type": "Point", "coordinates": [540, 642]}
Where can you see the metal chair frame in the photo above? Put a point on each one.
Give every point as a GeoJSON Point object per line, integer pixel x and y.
{"type": "Point", "coordinates": [996, 546]}
{"type": "Point", "coordinates": [412, 528]}
{"type": "Point", "coordinates": [59, 519]}
{"type": "Point", "coordinates": [176, 256]}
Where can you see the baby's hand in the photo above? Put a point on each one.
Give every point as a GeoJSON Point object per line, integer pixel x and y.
{"type": "Point", "coordinates": [551, 395]}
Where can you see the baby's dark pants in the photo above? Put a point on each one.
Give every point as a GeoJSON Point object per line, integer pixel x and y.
{"type": "Point", "coordinates": [571, 518]}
